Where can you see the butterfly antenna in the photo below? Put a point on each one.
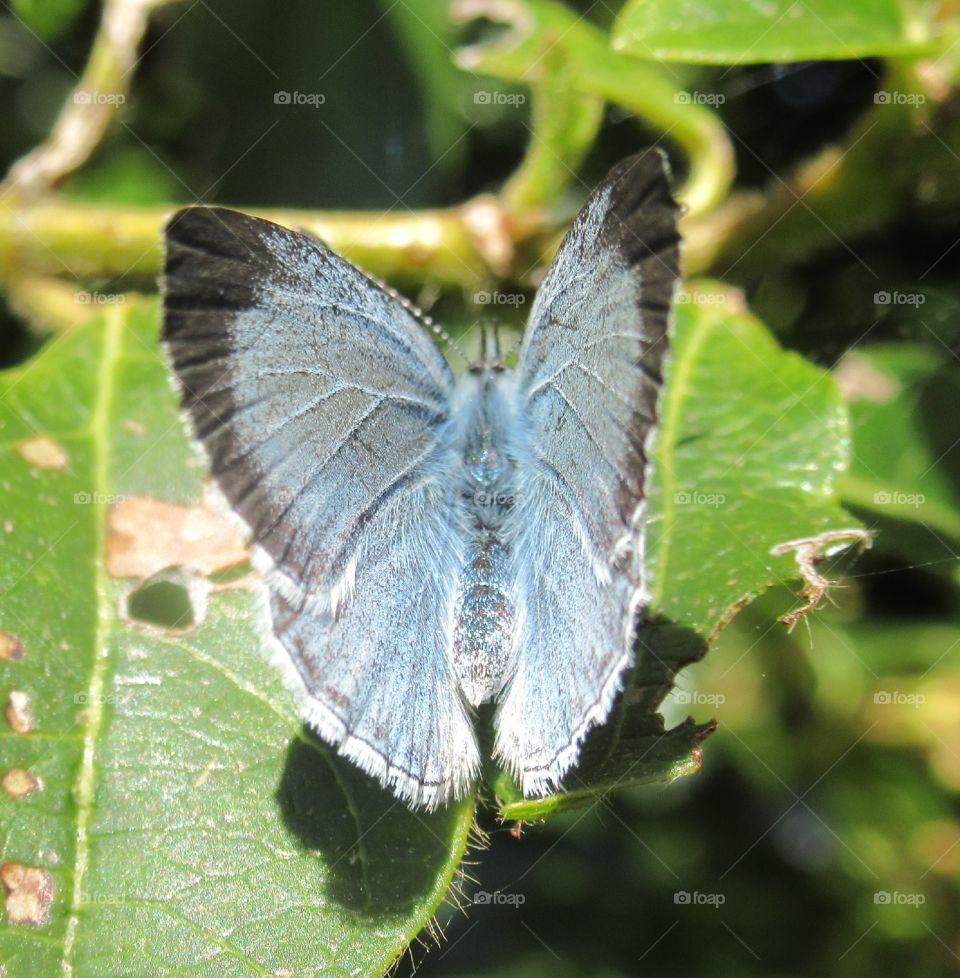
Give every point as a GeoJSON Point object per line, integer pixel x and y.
{"type": "Point", "coordinates": [490, 344]}
{"type": "Point", "coordinates": [417, 313]}
{"type": "Point", "coordinates": [440, 332]}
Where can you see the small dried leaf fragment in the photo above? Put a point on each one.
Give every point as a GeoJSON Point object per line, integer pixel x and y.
{"type": "Point", "coordinates": [44, 453]}
{"type": "Point", "coordinates": [147, 535]}
{"type": "Point", "coordinates": [10, 646]}
{"type": "Point", "coordinates": [18, 783]}
{"type": "Point", "coordinates": [860, 380]}
{"type": "Point", "coordinates": [29, 893]}
{"type": "Point", "coordinates": [17, 712]}
{"type": "Point", "coordinates": [807, 552]}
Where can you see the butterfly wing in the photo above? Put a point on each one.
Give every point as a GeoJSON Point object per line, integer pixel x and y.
{"type": "Point", "coordinates": [589, 375]}
{"type": "Point", "coordinates": [323, 405]}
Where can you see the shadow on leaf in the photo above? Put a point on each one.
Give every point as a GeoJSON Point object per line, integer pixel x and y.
{"type": "Point", "coordinates": [380, 856]}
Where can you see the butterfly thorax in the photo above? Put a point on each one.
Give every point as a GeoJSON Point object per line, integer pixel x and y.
{"type": "Point", "coordinates": [484, 612]}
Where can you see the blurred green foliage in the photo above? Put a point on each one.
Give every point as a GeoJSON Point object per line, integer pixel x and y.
{"type": "Point", "coordinates": [822, 834]}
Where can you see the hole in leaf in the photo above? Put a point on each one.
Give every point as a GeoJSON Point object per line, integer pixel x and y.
{"type": "Point", "coordinates": [164, 602]}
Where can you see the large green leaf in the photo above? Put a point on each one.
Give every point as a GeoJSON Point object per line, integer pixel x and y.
{"type": "Point", "coordinates": [739, 32]}
{"type": "Point", "coordinates": [752, 441]}
{"type": "Point", "coordinates": [181, 810]}
{"type": "Point", "coordinates": [181, 820]}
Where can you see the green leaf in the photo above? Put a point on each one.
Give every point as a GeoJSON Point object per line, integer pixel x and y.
{"type": "Point", "coordinates": [182, 804]}
{"type": "Point", "coordinates": [181, 820]}
{"type": "Point", "coordinates": [752, 441]}
{"type": "Point", "coordinates": [724, 32]}
{"type": "Point", "coordinates": [905, 394]}
{"type": "Point", "coordinates": [48, 18]}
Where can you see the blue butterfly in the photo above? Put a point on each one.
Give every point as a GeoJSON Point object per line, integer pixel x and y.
{"type": "Point", "coordinates": [431, 543]}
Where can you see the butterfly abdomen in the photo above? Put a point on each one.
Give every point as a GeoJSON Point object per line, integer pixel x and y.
{"type": "Point", "coordinates": [484, 616]}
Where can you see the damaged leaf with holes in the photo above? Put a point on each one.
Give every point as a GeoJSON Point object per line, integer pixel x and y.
{"type": "Point", "coordinates": [176, 800]}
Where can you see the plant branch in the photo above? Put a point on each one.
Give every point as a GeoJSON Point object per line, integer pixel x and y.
{"type": "Point", "coordinates": [541, 33]}
{"type": "Point", "coordinates": [95, 101]}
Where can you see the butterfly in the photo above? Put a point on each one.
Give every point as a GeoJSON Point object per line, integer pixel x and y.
{"type": "Point", "coordinates": [430, 543]}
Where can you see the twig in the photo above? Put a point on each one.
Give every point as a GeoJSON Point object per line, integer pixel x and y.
{"type": "Point", "coordinates": [96, 99]}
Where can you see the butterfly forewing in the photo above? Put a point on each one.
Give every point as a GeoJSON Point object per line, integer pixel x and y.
{"type": "Point", "coordinates": [589, 376]}
{"type": "Point", "coordinates": [322, 404]}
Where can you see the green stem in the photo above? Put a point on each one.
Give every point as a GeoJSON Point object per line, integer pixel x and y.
{"type": "Point", "coordinates": [565, 123]}
{"type": "Point", "coordinates": [95, 241]}
{"type": "Point", "coordinates": [543, 33]}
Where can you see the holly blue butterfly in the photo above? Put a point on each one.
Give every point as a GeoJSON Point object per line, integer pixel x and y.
{"type": "Point", "coordinates": [431, 543]}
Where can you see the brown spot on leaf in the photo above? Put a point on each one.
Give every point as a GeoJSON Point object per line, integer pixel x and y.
{"type": "Point", "coordinates": [135, 427]}
{"type": "Point", "coordinates": [29, 893]}
{"type": "Point", "coordinates": [11, 647]}
{"type": "Point", "coordinates": [17, 712]}
{"type": "Point", "coordinates": [19, 783]}
{"type": "Point", "coordinates": [147, 535]}
{"type": "Point", "coordinates": [43, 453]}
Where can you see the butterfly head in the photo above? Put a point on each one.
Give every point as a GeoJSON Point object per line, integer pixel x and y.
{"type": "Point", "coordinates": [491, 357]}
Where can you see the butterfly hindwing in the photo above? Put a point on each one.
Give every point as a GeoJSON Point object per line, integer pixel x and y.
{"type": "Point", "coordinates": [322, 405]}
{"type": "Point", "coordinates": [589, 376]}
